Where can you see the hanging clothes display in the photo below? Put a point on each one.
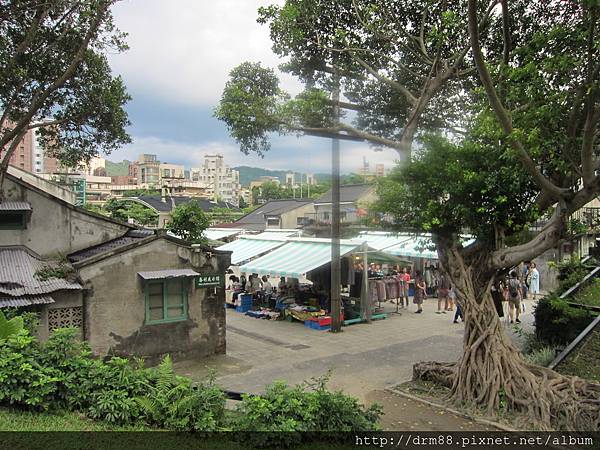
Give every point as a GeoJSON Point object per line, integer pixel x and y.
{"type": "Point", "coordinates": [356, 288]}
{"type": "Point", "coordinates": [372, 294]}
{"type": "Point", "coordinates": [381, 294]}
{"type": "Point", "coordinates": [391, 288]}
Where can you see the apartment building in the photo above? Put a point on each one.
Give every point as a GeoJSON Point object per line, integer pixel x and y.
{"type": "Point", "coordinates": [221, 181]}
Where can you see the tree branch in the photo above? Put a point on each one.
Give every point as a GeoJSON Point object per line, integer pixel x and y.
{"type": "Point", "coordinates": [393, 84]}
{"type": "Point", "coordinates": [506, 31]}
{"type": "Point", "coordinates": [501, 113]}
{"type": "Point", "coordinates": [42, 96]}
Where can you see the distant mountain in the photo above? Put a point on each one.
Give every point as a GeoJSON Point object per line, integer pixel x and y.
{"type": "Point", "coordinates": [248, 174]}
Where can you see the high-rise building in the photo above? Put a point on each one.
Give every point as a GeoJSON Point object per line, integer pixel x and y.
{"type": "Point", "coordinates": [221, 181]}
{"type": "Point", "coordinates": [148, 170]}
{"type": "Point", "coordinates": [22, 157]}
{"type": "Point", "coordinates": [379, 170]}
{"type": "Point", "coordinates": [290, 179]}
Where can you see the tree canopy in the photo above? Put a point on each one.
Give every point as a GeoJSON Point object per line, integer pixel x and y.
{"type": "Point", "coordinates": [400, 64]}
{"type": "Point", "coordinates": [188, 221]}
{"type": "Point", "coordinates": [54, 76]}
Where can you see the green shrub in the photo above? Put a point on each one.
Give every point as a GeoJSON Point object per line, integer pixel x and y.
{"type": "Point", "coordinates": [172, 402]}
{"type": "Point", "coordinates": [10, 327]}
{"type": "Point", "coordinates": [283, 411]}
{"type": "Point", "coordinates": [572, 272]}
{"type": "Point", "coordinates": [24, 381]}
{"type": "Point", "coordinates": [557, 323]}
{"type": "Point", "coordinates": [541, 357]}
{"type": "Point", "coordinates": [31, 320]}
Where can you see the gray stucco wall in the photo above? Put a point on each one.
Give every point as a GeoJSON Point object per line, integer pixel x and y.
{"type": "Point", "coordinates": [115, 305]}
{"type": "Point", "coordinates": [289, 220]}
{"type": "Point", "coordinates": [54, 227]}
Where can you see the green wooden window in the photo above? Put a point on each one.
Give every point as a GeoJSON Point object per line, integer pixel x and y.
{"type": "Point", "coordinates": [166, 300]}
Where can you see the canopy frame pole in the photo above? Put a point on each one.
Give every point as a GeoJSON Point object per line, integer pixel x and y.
{"type": "Point", "coordinates": [335, 297]}
{"type": "Point", "coordinates": [364, 298]}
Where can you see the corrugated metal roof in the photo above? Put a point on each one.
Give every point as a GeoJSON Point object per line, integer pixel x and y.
{"type": "Point", "coordinates": [131, 237]}
{"type": "Point", "coordinates": [15, 302]}
{"type": "Point", "coordinates": [168, 273]}
{"type": "Point", "coordinates": [14, 206]}
{"type": "Point", "coordinates": [18, 274]}
{"type": "Point", "coordinates": [348, 193]}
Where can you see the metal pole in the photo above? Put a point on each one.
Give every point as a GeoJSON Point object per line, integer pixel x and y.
{"type": "Point", "coordinates": [336, 324]}
{"type": "Point", "coordinates": [364, 298]}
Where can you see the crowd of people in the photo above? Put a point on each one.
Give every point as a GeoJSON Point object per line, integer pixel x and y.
{"type": "Point", "coordinates": [522, 282]}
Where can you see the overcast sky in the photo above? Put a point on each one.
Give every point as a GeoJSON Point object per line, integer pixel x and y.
{"type": "Point", "coordinates": [181, 52]}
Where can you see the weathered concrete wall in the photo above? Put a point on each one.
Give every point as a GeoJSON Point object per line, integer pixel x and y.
{"type": "Point", "coordinates": [47, 186]}
{"type": "Point", "coordinates": [55, 227]}
{"type": "Point", "coordinates": [115, 313]}
{"type": "Point", "coordinates": [289, 220]}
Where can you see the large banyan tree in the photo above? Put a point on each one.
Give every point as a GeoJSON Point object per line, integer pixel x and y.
{"type": "Point", "coordinates": [503, 99]}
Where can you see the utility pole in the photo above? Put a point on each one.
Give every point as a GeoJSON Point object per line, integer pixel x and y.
{"type": "Point", "coordinates": [336, 307]}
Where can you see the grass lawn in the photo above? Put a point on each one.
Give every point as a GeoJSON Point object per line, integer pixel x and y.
{"type": "Point", "coordinates": [583, 361]}
{"type": "Point", "coordinates": [15, 420]}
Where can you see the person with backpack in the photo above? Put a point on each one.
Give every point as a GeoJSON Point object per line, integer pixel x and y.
{"type": "Point", "coordinates": [514, 297]}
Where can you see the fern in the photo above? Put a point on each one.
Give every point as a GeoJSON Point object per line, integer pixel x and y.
{"type": "Point", "coordinates": [10, 327]}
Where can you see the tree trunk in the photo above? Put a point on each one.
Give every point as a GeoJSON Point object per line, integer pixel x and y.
{"type": "Point", "coordinates": [492, 373]}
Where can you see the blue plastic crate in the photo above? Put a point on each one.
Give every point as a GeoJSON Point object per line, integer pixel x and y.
{"type": "Point", "coordinates": [243, 308]}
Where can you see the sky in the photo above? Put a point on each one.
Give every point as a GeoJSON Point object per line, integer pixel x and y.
{"type": "Point", "coordinates": [181, 52]}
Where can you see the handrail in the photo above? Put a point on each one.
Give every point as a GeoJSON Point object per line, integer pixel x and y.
{"type": "Point", "coordinates": [574, 344]}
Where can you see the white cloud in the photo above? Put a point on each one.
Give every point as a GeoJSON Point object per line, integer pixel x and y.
{"type": "Point", "coordinates": [183, 50]}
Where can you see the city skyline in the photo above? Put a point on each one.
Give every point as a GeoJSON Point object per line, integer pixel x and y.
{"type": "Point", "coordinates": [174, 96]}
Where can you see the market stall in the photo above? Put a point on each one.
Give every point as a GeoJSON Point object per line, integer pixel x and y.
{"type": "Point", "coordinates": [305, 265]}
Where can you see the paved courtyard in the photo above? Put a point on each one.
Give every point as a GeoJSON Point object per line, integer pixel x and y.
{"type": "Point", "coordinates": [362, 359]}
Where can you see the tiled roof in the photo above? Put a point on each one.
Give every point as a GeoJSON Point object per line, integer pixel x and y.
{"type": "Point", "coordinates": [171, 202]}
{"type": "Point", "coordinates": [256, 219]}
{"type": "Point", "coordinates": [14, 206]}
{"type": "Point", "coordinates": [130, 238]}
{"type": "Point", "coordinates": [348, 193]}
{"type": "Point", "coordinates": [18, 278]}
{"type": "Point", "coordinates": [15, 302]}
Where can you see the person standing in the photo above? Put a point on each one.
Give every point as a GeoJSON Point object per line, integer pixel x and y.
{"type": "Point", "coordinates": [267, 286]}
{"type": "Point", "coordinates": [420, 292]}
{"type": "Point", "coordinates": [534, 277]}
{"type": "Point", "coordinates": [281, 287]}
{"type": "Point", "coordinates": [459, 311]}
{"type": "Point", "coordinates": [428, 278]}
{"type": "Point", "coordinates": [406, 282]}
{"type": "Point", "coordinates": [514, 297]}
{"type": "Point", "coordinates": [443, 288]}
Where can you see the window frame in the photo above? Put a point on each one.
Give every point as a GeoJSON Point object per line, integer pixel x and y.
{"type": "Point", "coordinates": [21, 226]}
{"type": "Point", "coordinates": [184, 281]}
